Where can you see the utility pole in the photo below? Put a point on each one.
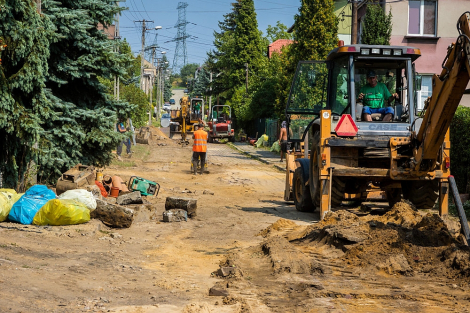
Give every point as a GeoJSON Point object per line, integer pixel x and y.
{"type": "Point", "coordinates": [209, 116]}
{"type": "Point", "coordinates": [116, 49]}
{"type": "Point", "coordinates": [159, 90]}
{"type": "Point", "coordinates": [354, 22]}
{"type": "Point", "coordinates": [142, 56]}
{"type": "Point", "coordinates": [246, 66]}
{"type": "Point", "coordinates": [151, 89]}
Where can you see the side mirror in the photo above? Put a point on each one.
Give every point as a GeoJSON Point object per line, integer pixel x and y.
{"type": "Point", "coordinates": [418, 81]}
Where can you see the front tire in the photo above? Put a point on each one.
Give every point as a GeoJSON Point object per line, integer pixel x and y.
{"type": "Point", "coordinates": [338, 186]}
{"type": "Point", "coordinates": [302, 199]}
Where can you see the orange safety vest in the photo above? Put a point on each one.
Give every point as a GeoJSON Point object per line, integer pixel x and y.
{"type": "Point", "coordinates": [200, 141]}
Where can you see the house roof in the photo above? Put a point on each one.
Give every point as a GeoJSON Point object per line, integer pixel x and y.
{"type": "Point", "coordinates": [277, 45]}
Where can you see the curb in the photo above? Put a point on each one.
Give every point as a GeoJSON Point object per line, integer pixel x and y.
{"type": "Point", "coordinates": [256, 157]}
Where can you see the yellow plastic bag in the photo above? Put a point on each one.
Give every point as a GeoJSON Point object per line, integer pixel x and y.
{"type": "Point", "coordinates": [62, 212]}
{"type": "Point", "coordinates": [8, 197]}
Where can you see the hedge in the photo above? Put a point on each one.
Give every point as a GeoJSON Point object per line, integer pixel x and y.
{"type": "Point", "coordinates": [460, 147]}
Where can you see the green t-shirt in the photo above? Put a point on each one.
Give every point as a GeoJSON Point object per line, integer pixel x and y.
{"type": "Point", "coordinates": [374, 97]}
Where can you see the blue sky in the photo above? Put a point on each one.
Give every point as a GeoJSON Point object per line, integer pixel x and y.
{"type": "Point", "coordinates": [203, 17]}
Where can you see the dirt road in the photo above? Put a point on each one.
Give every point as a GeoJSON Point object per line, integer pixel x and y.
{"type": "Point", "coordinates": [273, 258]}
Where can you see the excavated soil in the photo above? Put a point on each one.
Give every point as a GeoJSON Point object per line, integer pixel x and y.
{"type": "Point", "coordinates": [402, 241]}
{"type": "Point", "coordinates": [246, 251]}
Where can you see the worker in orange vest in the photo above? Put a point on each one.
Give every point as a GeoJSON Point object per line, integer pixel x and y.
{"type": "Point", "coordinates": [199, 148]}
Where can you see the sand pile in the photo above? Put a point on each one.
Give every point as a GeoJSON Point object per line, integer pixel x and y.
{"type": "Point", "coordinates": [402, 241]}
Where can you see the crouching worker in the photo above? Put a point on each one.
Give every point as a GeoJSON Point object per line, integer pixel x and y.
{"type": "Point", "coordinates": [199, 148]}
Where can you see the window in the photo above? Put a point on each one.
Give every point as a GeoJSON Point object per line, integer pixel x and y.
{"type": "Point", "coordinates": [425, 92]}
{"type": "Point", "coordinates": [422, 17]}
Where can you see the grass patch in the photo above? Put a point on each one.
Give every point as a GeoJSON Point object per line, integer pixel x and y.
{"type": "Point", "coordinates": [124, 163]}
{"type": "Point", "coordinates": [140, 151]}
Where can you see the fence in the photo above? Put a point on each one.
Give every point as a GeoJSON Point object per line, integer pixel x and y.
{"type": "Point", "coordinates": [272, 130]}
{"type": "Point", "coordinates": [266, 126]}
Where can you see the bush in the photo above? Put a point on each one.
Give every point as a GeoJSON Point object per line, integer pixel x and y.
{"type": "Point", "coordinates": [453, 209]}
{"type": "Point", "coordinates": [460, 147]}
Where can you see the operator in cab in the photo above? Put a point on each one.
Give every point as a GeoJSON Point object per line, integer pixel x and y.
{"type": "Point", "coordinates": [374, 95]}
{"type": "Point", "coordinates": [199, 148]}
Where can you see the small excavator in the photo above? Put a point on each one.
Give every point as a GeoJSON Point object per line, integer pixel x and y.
{"type": "Point", "coordinates": [346, 158]}
{"type": "Point", "coordinates": [187, 118]}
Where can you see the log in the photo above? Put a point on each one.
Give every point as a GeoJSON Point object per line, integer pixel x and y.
{"type": "Point", "coordinates": [113, 215]}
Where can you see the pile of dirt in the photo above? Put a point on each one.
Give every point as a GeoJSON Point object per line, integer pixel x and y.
{"type": "Point", "coordinates": [402, 241]}
{"type": "Point", "coordinates": [285, 258]}
{"type": "Point", "coordinates": [280, 225]}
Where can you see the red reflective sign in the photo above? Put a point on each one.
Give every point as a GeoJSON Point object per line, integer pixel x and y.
{"type": "Point", "coordinates": [346, 126]}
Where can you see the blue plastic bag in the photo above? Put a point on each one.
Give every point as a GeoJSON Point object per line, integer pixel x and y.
{"type": "Point", "coordinates": [24, 210]}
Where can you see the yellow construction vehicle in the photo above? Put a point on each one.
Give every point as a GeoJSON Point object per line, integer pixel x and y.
{"type": "Point", "coordinates": [186, 117]}
{"type": "Point", "coordinates": [406, 157]}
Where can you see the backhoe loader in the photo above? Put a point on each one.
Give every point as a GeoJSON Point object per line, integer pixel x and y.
{"type": "Point", "coordinates": [346, 156]}
{"type": "Point", "coordinates": [186, 118]}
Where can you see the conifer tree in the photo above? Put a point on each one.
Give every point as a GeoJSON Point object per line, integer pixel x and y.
{"type": "Point", "coordinates": [80, 127]}
{"type": "Point", "coordinates": [201, 83]}
{"type": "Point", "coordinates": [315, 30]}
{"type": "Point", "coordinates": [377, 26]}
{"type": "Point", "coordinates": [238, 43]}
{"type": "Point", "coordinates": [23, 106]}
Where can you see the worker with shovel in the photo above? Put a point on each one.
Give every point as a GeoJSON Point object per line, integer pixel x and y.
{"type": "Point", "coordinates": [199, 148]}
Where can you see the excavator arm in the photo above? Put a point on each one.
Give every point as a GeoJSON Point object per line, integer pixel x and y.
{"type": "Point", "coordinates": [448, 89]}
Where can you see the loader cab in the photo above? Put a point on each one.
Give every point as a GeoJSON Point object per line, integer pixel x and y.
{"type": "Point", "coordinates": [197, 105]}
{"type": "Point", "coordinates": [335, 84]}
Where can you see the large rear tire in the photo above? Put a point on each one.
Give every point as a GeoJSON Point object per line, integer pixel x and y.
{"type": "Point", "coordinates": [393, 196]}
{"type": "Point", "coordinates": [302, 199]}
{"type": "Point", "coordinates": [338, 186]}
{"type": "Point", "coordinates": [422, 193]}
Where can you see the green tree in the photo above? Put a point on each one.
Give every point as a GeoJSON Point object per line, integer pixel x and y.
{"type": "Point", "coordinates": [187, 72]}
{"type": "Point", "coordinates": [201, 83]}
{"type": "Point", "coordinates": [315, 35]}
{"type": "Point", "coordinates": [81, 123]}
{"type": "Point", "coordinates": [23, 71]}
{"type": "Point", "coordinates": [377, 26]}
{"type": "Point", "coordinates": [279, 31]}
{"type": "Point", "coordinates": [316, 31]}
{"type": "Point", "coordinates": [238, 46]}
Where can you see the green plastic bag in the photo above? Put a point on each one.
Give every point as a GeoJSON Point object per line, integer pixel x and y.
{"type": "Point", "coordinates": [276, 147]}
{"type": "Point", "coordinates": [62, 212]}
{"type": "Point", "coordinates": [259, 142]}
{"type": "Point", "coordinates": [8, 197]}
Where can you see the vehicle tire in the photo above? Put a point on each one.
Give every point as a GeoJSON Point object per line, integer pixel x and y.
{"type": "Point", "coordinates": [422, 193]}
{"type": "Point", "coordinates": [338, 185]}
{"type": "Point", "coordinates": [302, 199]}
{"type": "Point", "coordinates": [210, 139]}
{"type": "Point", "coordinates": [393, 196]}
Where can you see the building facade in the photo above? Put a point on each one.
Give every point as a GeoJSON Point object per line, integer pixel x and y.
{"type": "Point", "coordinates": [431, 27]}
